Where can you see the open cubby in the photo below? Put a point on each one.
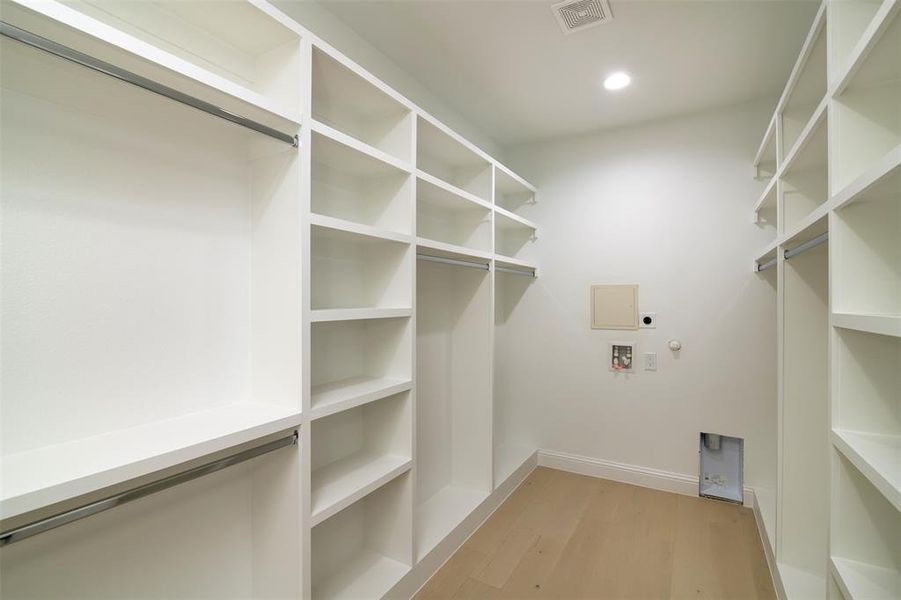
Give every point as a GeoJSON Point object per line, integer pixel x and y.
{"type": "Point", "coordinates": [865, 535]}
{"type": "Point", "coordinates": [357, 450]}
{"type": "Point", "coordinates": [866, 406]}
{"type": "Point", "coordinates": [514, 438]}
{"type": "Point", "coordinates": [358, 271]}
{"type": "Point", "coordinates": [767, 208]}
{"type": "Point", "coordinates": [346, 353]}
{"type": "Point", "coordinates": [847, 22]}
{"type": "Point", "coordinates": [802, 551]}
{"type": "Point", "coordinates": [362, 551]}
{"type": "Point", "coordinates": [150, 287]}
{"type": "Point", "coordinates": [513, 235]}
{"type": "Point", "coordinates": [766, 162]}
{"type": "Point", "coordinates": [868, 253]}
{"type": "Point", "coordinates": [444, 216]}
{"type": "Point", "coordinates": [866, 113]}
{"type": "Point", "coordinates": [352, 104]}
{"type": "Point", "coordinates": [237, 50]}
{"type": "Point", "coordinates": [808, 91]}
{"type": "Point", "coordinates": [510, 191]}
{"type": "Point", "coordinates": [229, 534]}
{"type": "Point", "coordinates": [439, 154]}
{"type": "Point", "coordinates": [805, 181]}
{"type": "Point", "coordinates": [453, 348]}
{"type": "Point", "coordinates": [349, 185]}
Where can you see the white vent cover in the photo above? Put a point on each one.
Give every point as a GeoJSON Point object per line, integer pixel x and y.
{"type": "Point", "coordinates": [576, 15]}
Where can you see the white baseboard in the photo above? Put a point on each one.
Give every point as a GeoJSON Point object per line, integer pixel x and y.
{"type": "Point", "coordinates": [656, 479]}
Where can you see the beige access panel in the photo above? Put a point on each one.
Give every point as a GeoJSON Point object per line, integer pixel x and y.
{"type": "Point", "coordinates": [614, 307]}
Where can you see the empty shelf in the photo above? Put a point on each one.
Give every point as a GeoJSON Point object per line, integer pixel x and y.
{"type": "Point", "coordinates": [877, 457]}
{"type": "Point", "coordinates": [441, 513]}
{"type": "Point", "coordinates": [880, 324]}
{"type": "Point", "coordinates": [353, 145]}
{"type": "Point", "coordinates": [369, 575]}
{"type": "Point", "coordinates": [859, 581]}
{"type": "Point", "coordinates": [341, 483]}
{"type": "Point", "coordinates": [439, 192]}
{"type": "Point", "coordinates": [38, 478]}
{"type": "Point", "coordinates": [329, 398]}
{"type": "Point", "coordinates": [442, 250]}
{"type": "Point", "coordinates": [508, 220]}
{"type": "Point", "coordinates": [800, 584]}
{"type": "Point", "coordinates": [358, 314]}
{"type": "Point", "coordinates": [342, 226]}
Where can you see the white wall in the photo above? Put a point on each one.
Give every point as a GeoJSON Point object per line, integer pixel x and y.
{"type": "Point", "coordinates": [315, 17]}
{"type": "Point", "coordinates": [666, 205]}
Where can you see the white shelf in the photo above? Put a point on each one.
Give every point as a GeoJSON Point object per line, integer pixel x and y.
{"type": "Point", "coordinates": [440, 192]}
{"type": "Point", "coordinates": [330, 398]}
{"type": "Point", "coordinates": [800, 584]}
{"type": "Point", "coordinates": [355, 153]}
{"type": "Point", "coordinates": [109, 35]}
{"type": "Point", "coordinates": [767, 200]}
{"type": "Point", "coordinates": [38, 478]}
{"type": "Point", "coordinates": [352, 101]}
{"type": "Point", "coordinates": [359, 229]}
{"type": "Point", "coordinates": [765, 159]}
{"type": "Point", "coordinates": [879, 181]}
{"type": "Point", "coordinates": [514, 263]}
{"type": "Point", "coordinates": [442, 250]}
{"type": "Point", "coordinates": [368, 575]}
{"type": "Point", "coordinates": [510, 190]}
{"type": "Point", "coordinates": [509, 220]}
{"type": "Point", "coordinates": [860, 581]}
{"type": "Point", "coordinates": [508, 458]}
{"type": "Point", "coordinates": [869, 39]}
{"type": "Point", "coordinates": [877, 457]}
{"type": "Point", "coordinates": [442, 154]}
{"type": "Point", "coordinates": [879, 324]}
{"type": "Point", "coordinates": [341, 483]}
{"type": "Point", "coordinates": [357, 314]}
{"type": "Point", "coordinates": [441, 513]}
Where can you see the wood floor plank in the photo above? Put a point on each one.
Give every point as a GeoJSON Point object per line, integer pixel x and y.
{"type": "Point", "coordinates": [570, 537]}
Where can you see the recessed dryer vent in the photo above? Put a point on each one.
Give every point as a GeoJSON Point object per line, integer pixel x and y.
{"type": "Point", "coordinates": [576, 15]}
{"type": "Point", "coordinates": [721, 467]}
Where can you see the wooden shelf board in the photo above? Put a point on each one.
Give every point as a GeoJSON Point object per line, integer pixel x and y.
{"type": "Point", "coordinates": [768, 141]}
{"type": "Point", "coordinates": [44, 476]}
{"type": "Point", "coordinates": [508, 182]}
{"type": "Point", "coordinates": [358, 314]}
{"type": "Point", "coordinates": [441, 513]}
{"type": "Point", "coordinates": [437, 140]}
{"type": "Point", "coordinates": [879, 324]}
{"type": "Point", "coordinates": [341, 483]}
{"type": "Point", "coordinates": [443, 250]}
{"type": "Point", "coordinates": [368, 575]}
{"type": "Point", "coordinates": [330, 398]}
{"type": "Point", "coordinates": [860, 581]}
{"type": "Point", "coordinates": [814, 133]}
{"type": "Point", "coordinates": [767, 198]}
{"type": "Point", "coordinates": [351, 229]}
{"type": "Point", "coordinates": [447, 195]}
{"type": "Point", "coordinates": [877, 457]}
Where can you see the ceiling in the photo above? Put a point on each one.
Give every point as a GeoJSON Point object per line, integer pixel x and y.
{"type": "Point", "coordinates": [507, 67]}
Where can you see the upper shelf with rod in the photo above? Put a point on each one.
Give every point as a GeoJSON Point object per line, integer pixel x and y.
{"type": "Point", "coordinates": [235, 61]}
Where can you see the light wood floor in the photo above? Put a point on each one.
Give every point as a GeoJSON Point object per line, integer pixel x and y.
{"type": "Point", "coordinates": [561, 535]}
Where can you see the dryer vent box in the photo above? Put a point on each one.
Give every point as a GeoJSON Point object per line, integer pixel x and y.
{"type": "Point", "coordinates": [721, 468]}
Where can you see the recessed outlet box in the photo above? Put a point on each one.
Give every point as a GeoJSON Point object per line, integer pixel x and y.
{"type": "Point", "coordinates": [648, 321]}
{"type": "Point", "coordinates": [722, 467]}
{"type": "Point", "coordinates": [650, 361]}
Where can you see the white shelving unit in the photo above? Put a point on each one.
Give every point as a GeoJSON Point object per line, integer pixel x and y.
{"type": "Point", "coordinates": [838, 172]}
{"type": "Point", "coordinates": [151, 292]}
{"type": "Point", "coordinates": [179, 288]}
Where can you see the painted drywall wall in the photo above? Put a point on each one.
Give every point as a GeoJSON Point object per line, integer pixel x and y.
{"type": "Point", "coordinates": [316, 17]}
{"type": "Point", "coordinates": [666, 205]}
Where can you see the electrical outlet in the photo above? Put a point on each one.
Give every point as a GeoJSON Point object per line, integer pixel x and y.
{"type": "Point", "coordinates": [650, 361]}
{"type": "Point", "coordinates": [648, 321]}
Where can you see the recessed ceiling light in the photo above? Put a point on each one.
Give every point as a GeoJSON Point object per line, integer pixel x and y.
{"type": "Point", "coordinates": [617, 81]}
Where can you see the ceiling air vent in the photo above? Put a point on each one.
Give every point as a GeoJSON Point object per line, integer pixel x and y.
{"type": "Point", "coordinates": [576, 15]}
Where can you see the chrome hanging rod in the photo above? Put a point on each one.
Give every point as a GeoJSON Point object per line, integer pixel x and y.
{"type": "Point", "coordinates": [820, 239]}
{"type": "Point", "coordinates": [766, 265]}
{"type": "Point", "coordinates": [453, 261]}
{"type": "Point", "coordinates": [70, 54]}
{"type": "Point", "coordinates": [527, 273]}
{"type": "Point", "coordinates": [87, 510]}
